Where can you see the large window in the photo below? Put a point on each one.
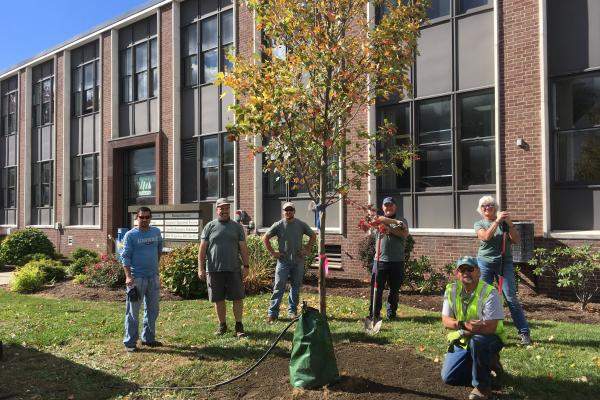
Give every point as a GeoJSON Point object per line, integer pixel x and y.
{"type": "Point", "coordinates": [141, 176]}
{"type": "Point", "coordinates": [206, 40]}
{"type": "Point", "coordinates": [449, 117]}
{"type": "Point", "coordinates": [138, 72]}
{"type": "Point", "coordinates": [8, 144]}
{"type": "Point", "coordinates": [85, 135]}
{"type": "Point", "coordinates": [42, 144]}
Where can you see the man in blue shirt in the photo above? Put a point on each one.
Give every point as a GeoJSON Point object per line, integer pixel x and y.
{"type": "Point", "coordinates": [141, 254]}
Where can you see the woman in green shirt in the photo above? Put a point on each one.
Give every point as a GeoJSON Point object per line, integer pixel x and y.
{"type": "Point", "coordinates": [492, 264]}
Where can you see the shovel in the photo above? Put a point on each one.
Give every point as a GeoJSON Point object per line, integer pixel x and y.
{"type": "Point", "coordinates": [502, 254]}
{"type": "Point", "coordinates": [373, 327]}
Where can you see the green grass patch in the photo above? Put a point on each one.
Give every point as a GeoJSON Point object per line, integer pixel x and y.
{"type": "Point", "coordinates": [56, 341]}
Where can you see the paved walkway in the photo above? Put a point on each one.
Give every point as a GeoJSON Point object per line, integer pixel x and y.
{"type": "Point", "coordinates": [5, 277]}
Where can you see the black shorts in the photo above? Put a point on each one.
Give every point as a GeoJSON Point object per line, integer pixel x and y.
{"type": "Point", "coordinates": [225, 285]}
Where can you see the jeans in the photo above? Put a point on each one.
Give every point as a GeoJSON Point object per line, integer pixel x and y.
{"type": "Point", "coordinates": [149, 291]}
{"type": "Point", "coordinates": [294, 271]}
{"type": "Point", "coordinates": [489, 271]}
{"type": "Point", "coordinates": [393, 274]}
{"type": "Point", "coordinates": [471, 366]}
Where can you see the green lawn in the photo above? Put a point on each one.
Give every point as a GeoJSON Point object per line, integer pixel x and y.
{"type": "Point", "coordinates": [79, 341]}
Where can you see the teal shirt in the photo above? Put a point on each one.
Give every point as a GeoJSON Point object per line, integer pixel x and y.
{"type": "Point", "coordinates": [392, 246]}
{"type": "Point", "coordinates": [223, 253]}
{"type": "Point", "coordinates": [491, 250]}
{"type": "Point", "coordinates": [289, 238]}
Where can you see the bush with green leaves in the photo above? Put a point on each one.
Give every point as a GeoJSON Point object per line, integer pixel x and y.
{"type": "Point", "coordinates": [81, 258]}
{"type": "Point", "coordinates": [19, 245]}
{"type": "Point", "coordinates": [108, 272]}
{"type": "Point", "coordinates": [36, 257]}
{"type": "Point", "coordinates": [577, 268]}
{"type": "Point", "coordinates": [54, 270]}
{"type": "Point", "coordinates": [27, 279]}
{"type": "Point", "coordinates": [179, 272]}
{"type": "Point", "coordinates": [82, 252]}
{"type": "Point", "coordinates": [420, 276]}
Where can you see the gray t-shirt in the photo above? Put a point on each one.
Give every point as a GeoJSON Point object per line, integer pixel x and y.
{"type": "Point", "coordinates": [491, 250]}
{"type": "Point", "coordinates": [223, 253]}
{"type": "Point", "coordinates": [392, 246]}
{"type": "Point", "coordinates": [492, 308]}
{"type": "Point", "coordinates": [289, 238]}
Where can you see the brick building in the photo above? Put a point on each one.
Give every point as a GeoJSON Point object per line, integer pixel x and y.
{"type": "Point", "coordinates": [505, 102]}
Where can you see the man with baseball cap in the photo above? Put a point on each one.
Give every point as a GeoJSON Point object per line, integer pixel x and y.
{"type": "Point", "coordinates": [290, 259]}
{"type": "Point", "coordinates": [473, 313]}
{"type": "Point", "coordinates": [222, 243]}
{"type": "Point", "coordinates": [388, 264]}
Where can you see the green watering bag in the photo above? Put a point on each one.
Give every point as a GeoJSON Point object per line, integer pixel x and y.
{"type": "Point", "coordinates": [312, 363]}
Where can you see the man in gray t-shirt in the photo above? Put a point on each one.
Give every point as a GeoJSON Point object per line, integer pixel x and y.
{"type": "Point", "coordinates": [222, 243]}
{"type": "Point", "coordinates": [290, 259]}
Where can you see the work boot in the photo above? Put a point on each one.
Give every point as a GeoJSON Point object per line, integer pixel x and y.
{"type": "Point", "coordinates": [480, 394]}
{"type": "Point", "coordinates": [271, 320]}
{"type": "Point", "coordinates": [222, 329]}
{"type": "Point", "coordinates": [239, 330]}
{"type": "Point", "coordinates": [154, 343]}
{"type": "Point", "coordinates": [525, 339]}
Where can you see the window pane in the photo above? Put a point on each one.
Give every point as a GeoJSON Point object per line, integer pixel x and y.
{"type": "Point", "coordinates": [88, 192]}
{"type": "Point", "coordinates": [438, 8]}
{"type": "Point", "coordinates": [47, 90]}
{"type": "Point", "coordinates": [209, 33]}
{"type": "Point", "coordinates": [141, 160]}
{"type": "Point", "coordinates": [141, 57]}
{"type": "Point", "coordinates": [477, 116]}
{"type": "Point", "coordinates": [141, 84]}
{"type": "Point", "coordinates": [46, 111]}
{"type": "Point", "coordinates": [478, 163]}
{"type": "Point", "coordinates": [227, 151]}
{"type": "Point", "coordinates": [225, 3]}
{"type": "Point", "coordinates": [126, 62]}
{"type": "Point", "coordinates": [190, 41]}
{"type": "Point", "coordinates": [37, 93]}
{"type": "Point", "coordinates": [399, 115]}
{"type": "Point", "coordinates": [466, 5]}
{"type": "Point", "coordinates": [435, 166]}
{"type": "Point", "coordinates": [153, 53]}
{"type": "Point", "coordinates": [190, 66]}
{"type": "Point", "coordinates": [88, 167]}
{"type": "Point", "coordinates": [11, 198]}
{"type": "Point", "coordinates": [228, 181]}
{"type": "Point", "coordinates": [126, 89]}
{"type": "Point", "coordinates": [578, 102]}
{"type": "Point", "coordinates": [434, 121]}
{"type": "Point", "coordinates": [210, 152]}
{"type": "Point", "coordinates": [88, 101]}
{"type": "Point", "coordinates": [46, 195]}
{"type": "Point", "coordinates": [210, 66]}
{"type": "Point", "coordinates": [154, 73]}
{"type": "Point", "coordinates": [210, 182]}
{"type": "Point", "coordinates": [208, 6]}
{"type": "Point", "coordinates": [35, 115]}
{"type": "Point", "coordinates": [578, 157]}
{"type": "Point", "coordinates": [88, 76]}
{"type": "Point", "coordinates": [46, 172]}
{"type": "Point", "coordinates": [76, 80]}
{"type": "Point", "coordinates": [275, 186]}
{"type": "Point", "coordinates": [227, 27]}
{"type": "Point", "coordinates": [227, 65]}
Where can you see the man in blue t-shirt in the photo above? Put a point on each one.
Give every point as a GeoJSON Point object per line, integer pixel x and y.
{"type": "Point", "coordinates": [141, 254]}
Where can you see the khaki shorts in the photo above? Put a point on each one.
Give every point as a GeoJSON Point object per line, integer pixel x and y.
{"type": "Point", "coordinates": [225, 285]}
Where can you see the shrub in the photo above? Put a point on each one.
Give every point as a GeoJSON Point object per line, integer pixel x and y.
{"type": "Point", "coordinates": [78, 265]}
{"type": "Point", "coordinates": [420, 276]}
{"type": "Point", "coordinates": [28, 279]}
{"type": "Point", "coordinates": [80, 279]}
{"type": "Point", "coordinates": [179, 272]}
{"type": "Point", "coordinates": [82, 252]}
{"type": "Point", "coordinates": [36, 257]}
{"type": "Point", "coordinates": [53, 270]}
{"type": "Point", "coordinates": [262, 265]}
{"type": "Point", "coordinates": [18, 245]}
{"type": "Point", "coordinates": [108, 272]}
{"type": "Point", "coordinates": [573, 267]}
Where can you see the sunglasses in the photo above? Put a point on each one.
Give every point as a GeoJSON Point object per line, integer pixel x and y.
{"type": "Point", "coordinates": [462, 270]}
{"type": "Point", "coordinates": [289, 210]}
{"type": "Point", "coordinates": [143, 216]}
{"type": "Point", "coordinates": [488, 207]}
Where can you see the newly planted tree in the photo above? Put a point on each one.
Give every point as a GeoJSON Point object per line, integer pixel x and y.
{"type": "Point", "coordinates": [322, 64]}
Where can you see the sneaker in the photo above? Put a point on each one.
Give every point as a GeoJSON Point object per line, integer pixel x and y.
{"type": "Point", "coordinates": [154, 343]}
{"type": "Point", "coordinates": [239, 330]}
{"type": "Point", "coordinates": [525, 339]}
{"type": "Point", "coordinates": [291, 315]}
{"type": "Point", "coordinates": [222, 329]}
{"type": "Point", "coordinates": [130, 349]}
{"type": "Point", "coordinates": [271, 320]}
{"type": "Point", "coordinates": [392, 317]}
{"type": "Point", "coordinates": [480, 394]}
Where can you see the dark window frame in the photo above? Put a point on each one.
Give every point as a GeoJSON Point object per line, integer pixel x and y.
{"type": "Point", "coordinates": [9, 95]}
{"type": "Point", "coordinates": [78, 92]}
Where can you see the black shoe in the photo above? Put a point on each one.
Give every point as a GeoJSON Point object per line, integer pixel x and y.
{"type": "Point", "coordinates": [154, 343]}
{"type": "Point", "coordinates": [222, 329]}
{"type": "Point", "coordinates": [392, 317]}
{"type": "Point", "coordinates": [525, 339]}
{"type": "Point", "coordinates": [239, 330]}
{"type": "Point", "coordinates": [130, 349]}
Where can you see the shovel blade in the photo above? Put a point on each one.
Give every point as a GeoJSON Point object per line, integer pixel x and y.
{"type": "Point", "coordinates": [372, 327]}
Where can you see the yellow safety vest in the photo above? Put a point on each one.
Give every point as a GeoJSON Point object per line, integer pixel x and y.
{"type": "Point", "coordinates": [453, 295]}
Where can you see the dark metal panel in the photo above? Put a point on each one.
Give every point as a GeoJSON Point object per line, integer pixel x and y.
{"type": "Point", "coordinates": [209, 99]}
{"type": "Point", "coordinates": [476, 51]}
{"type": "Point", "coordinates": [125, 123]}
{"type": "Point", "coordinates": [434, 63]}
{"type": "Point", "coordinates": [575, 209]}
{"type": "Point", "coordinates": [189, 112]}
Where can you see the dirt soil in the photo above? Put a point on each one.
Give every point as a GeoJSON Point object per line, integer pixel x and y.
{"type": "Point", "coordinates": [536, 306]}
{"type": "Point", "coordinates": [378, 372]}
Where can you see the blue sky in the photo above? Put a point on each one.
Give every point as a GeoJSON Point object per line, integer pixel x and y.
{"type": "Point", "coordinates": [31, 26]}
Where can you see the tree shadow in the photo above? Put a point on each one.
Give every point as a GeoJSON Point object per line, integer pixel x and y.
{"type": "Point", "coordinates": [548, 388]}
{"type": "Point", "coordinates": [223, 353]}
{"type": "Point", "coordinates": [29, 373]}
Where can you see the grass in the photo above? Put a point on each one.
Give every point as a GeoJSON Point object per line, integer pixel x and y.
{"type": "Point", "coordinates": [52, 341]}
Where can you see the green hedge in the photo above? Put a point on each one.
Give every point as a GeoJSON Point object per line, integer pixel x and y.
{"type": "Point", "coordinates": [18, 246]}
{"type": "Point", "coordinates": [33, 275]}
{"type": "Point", "coordinates": [179, 272]}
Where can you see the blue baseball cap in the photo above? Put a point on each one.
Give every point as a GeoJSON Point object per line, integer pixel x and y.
{"type": "Point", "coordinates": [467, 260]}
{"type": "Point", "coordinates": [388, 200]}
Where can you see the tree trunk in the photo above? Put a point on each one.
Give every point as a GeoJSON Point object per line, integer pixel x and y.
{"type": "Point", "coordinates": [322, 214]}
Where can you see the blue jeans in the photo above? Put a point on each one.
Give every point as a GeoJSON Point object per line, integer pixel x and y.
{"type": "Point", "coordinates": [471, 366]}
{"type": "Point", "coordinates": [491, 270]}
{"type": "Point", "coordinates": [149, 292]}
{"type": "Point", "coordinates": [294, 271]}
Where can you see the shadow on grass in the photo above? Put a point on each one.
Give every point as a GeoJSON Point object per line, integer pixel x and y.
{"type": "Point", "coordinates": [29, 373]}
{"type": "Point", "coordinates": [547, 388]}
{"type": "Point", "coordinates": [223, 353]}
{"type": "Point", "coordinates": [359, 385]}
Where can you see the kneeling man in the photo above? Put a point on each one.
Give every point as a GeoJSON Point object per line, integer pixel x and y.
{"type": "Point", "coordinates": [473, 312]}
